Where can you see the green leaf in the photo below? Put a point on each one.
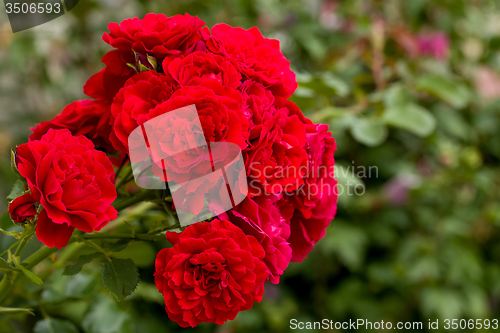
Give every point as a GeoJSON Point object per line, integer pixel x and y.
{"type": "Point", "coordinates": [335, 83]}
{"type": "Point", "coordinates": [77, 266]}
{"type": "Point", "coordinates": [444, 303]}
{"type": "Point", "coordinates": [14, 233]}
{"type": "Point", "coordinates": [452, 122]}
{"type": "Point", "coordinates": [81, 285]}
{"type": "Point", "coordinates": [348, 243]}
{"type": "Point", "coordinates": [304, 92]}
{"type": "Point", "coordinates": [120, 277]}
{"type": "Point", "coordinates": [143, 68]}
{"type": "Point", "coordinates": [30, 275]}
{"type": "Point", "coordinates": [311, 43]}
{"type": "Point", "coordinates": [105, 316]}
{"type": "Point", "coordinates": [149, 292]}
{"type": "Point", "coordinates": [52, 325]}
{"type": "Point", "coordinates": [132, 66]}
{"type": "Point", "coordinates": [143, 254]}
{"type": "Point", "coordinates": [119, 245]}
{"type": "Point", "coordinates": [369, 131]}
{"type": "Point", "coordinates": [16, 310]}
{"type": "Point", "coordinates": [455, 93]}
{"type": "Point", "coordinates": [411, 117]}
{"type": "Point", "coordinates": [17, 190]}
{"type": "Point", "coordinates": [397, 95]}
{"type": "Point", "coordinates": [13, 164]}
{"type": "Point", "coordinates": [303, 77]}
{"type": "Point", "coordinates": [4, 266]}
{"type": "Point", "coordinates": [152, 61]}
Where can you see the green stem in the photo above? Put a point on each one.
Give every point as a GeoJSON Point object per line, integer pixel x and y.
{"type": "Point", "coordinates": [125, 178]}
{"type": "Point", "coordinates": [21, 246]}
{"type": "Point", "coordinates": [68, 253]}
{"type": "Point", "coordinates": [143, 196]}
{"type": "Point", "coordinates": [121, 167]}
{"type": "Point", "coordinates": [39, 256]}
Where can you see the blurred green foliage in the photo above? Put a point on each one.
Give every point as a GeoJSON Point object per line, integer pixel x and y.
{"type": "Point", "coordinates": [420, 243]}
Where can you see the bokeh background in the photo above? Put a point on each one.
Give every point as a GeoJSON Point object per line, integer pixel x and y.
{"type": "Point", "coordinates": [409, 88]}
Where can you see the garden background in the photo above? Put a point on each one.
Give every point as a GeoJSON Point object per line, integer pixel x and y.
{"type": "Point", "coordinates": [409, 88]}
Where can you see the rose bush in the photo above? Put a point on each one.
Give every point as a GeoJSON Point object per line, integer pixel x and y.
{"type": "Point", "coordinates": [195, 98]}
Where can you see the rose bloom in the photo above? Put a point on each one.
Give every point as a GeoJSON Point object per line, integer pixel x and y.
{"type": "Point", "coordinates": [22, 208]}
{"type": "Point", "coordinates": [133, 103]}
{"type": "Point", "coordinates": [71, 180]}
{"type": "Point", "coordinates": [218, 111]}
{"type": "Point", "coordinates": [199, 66]}
{"type": "Point", "coordinates": [275, 160]}
{"type": "Point", "coordinates": [258, 102]}
{"type": "Point", "coordinates": [85, 117]}
{"type": "Point", "coordinates": [106, 83]}
{"type": "Point", "coordinates": [157, 35]}
{"type": "Point", "coordinates": [312, 207]}
{"type": "Point", "coordinates": [435, 45]}
{"type": "Point", "coordinates": [261, 218]}
{"type": "Point", "coordinates": [221, 120]}
{"type": "Point", "coordinates": [212, 272]}
{"type": "Point", "coordinates": [256, 57]}
{"type": "Point", "coordinates": [305, 232]}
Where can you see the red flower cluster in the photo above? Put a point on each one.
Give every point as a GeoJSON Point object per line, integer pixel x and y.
{"type": "Point", "coordinates": [239, 82]}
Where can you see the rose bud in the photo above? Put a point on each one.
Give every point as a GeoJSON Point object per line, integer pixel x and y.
{"type": "Point", "coordinates": [22, 208]}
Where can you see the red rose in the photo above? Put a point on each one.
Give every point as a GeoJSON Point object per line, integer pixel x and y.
{"type": "Point", "coordinates": [276, 160]}
{"type": "Point", "coordinates": [315, 203]}
{"type": "Point", "coordinates": [258, 103]}
{"type": "Point", "coordinates": [157, 34]}
{"type": "Point", "coordinates": [133, 103]}
{"type": "Point", "coordinates": [257, 58]}
{"type": "Point", "coordinates": [71, 180]}
{"type": "Point", "coordinates": [199, 66]}
{"type": "Point", "coordinates": [212, 272]}
{"type": "Point", "coordinates": [219, 109]}
{"type": "Point", "coordinates": [307, 231]}
{"type": "Point", "coordinates": [261, 218]}
{"type": "Point", "coordinates": [85, 117]}
{"type": "Point", "coordinates": [179, 138]}
{"type": "Point", "coordinates": [106, 83]}
{"type": "Point", "coordinates": [179, 141]}
{"type": "Point", "coordinates": [320, 148]}
{"type": "Point", "coordinates": [293, 110]}
{"type": "Point", "coordinates": [22, 208]}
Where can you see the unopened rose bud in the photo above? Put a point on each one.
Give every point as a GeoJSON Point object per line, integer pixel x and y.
{"type": "Point", "coordinates": [22, 208]}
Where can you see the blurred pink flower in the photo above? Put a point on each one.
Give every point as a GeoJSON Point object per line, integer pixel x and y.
{"type": "Point", "coordinates": [435, 45]}
{"type": "Point", "coordinates": [487, 83]}
{"type": "Point", "coordinates": [331, 20]}
{"type": "Point", "coordinates": [396, 190]}
{"type": "Point", "coordinates": [328, 17]}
